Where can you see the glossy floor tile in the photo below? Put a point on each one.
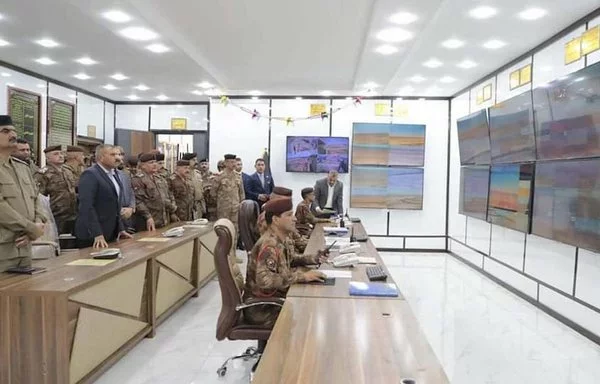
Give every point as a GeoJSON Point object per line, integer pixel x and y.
{"type": "Point", "coordinates": [481, 333]}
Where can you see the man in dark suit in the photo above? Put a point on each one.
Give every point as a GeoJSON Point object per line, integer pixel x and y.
{"type": "Point", "coordinates": [329, 194]}
{"type": "Point", "coordinates": [260, 184]}
{"type": "Point", "coordinates": [100, 188]}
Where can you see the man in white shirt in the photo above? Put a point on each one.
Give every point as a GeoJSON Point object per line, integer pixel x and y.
{"type": "Point", "coordinates": [329, 195]}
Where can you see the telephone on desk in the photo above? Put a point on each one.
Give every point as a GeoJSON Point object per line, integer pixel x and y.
{"type": "Point", "coordinates": [174, 232]}
{"type": "Point", "coordinates": [350, 248]}
{"type": "Point", "coordinates": [345, 260]}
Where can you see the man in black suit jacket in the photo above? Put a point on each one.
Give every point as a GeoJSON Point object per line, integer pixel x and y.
{"type": "Point", "coordinates": [329, 194]}
{"type": "Point", "coordinates": [99, 219]}
{"type": "Point", "coordinates": [259, 185]}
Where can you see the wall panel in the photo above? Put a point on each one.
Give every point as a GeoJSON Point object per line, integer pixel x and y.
{"type": "Point", "coordinates": [551, 262]}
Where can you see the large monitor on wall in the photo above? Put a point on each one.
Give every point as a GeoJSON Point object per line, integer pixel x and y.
{"type": "Point", "coordinates": [510, 195]}
{"type": "Point", "coordinates": [512, 138]}
{"type": "Point", "coordinates": [474, 188]}
{"type": "Point", "coordinates": [566, 203]}
{"type": "Point", "coordinates": [474, 138]}
{"type": "Point", "coordinates": [387, 187]}
{"type": "Point", "coordinates": [567, 114]}
{"type": "Point", "coordinates": [317, 154]}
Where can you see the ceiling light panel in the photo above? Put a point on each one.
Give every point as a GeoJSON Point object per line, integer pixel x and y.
{"type": "Point", "coordinates": [371, 84]}
{"type": "Point", "coordinates": [417, 79]}
{"type": "Point", "coordinates": [483, 12]}
{"type": "Point", "coordinates": [158, 48]}
{"type": "Point", "coordinates": [394, 35]}
{"type": "Point", "coordinates": [110, 87]}
{"type": "Point", "coordinates": [447, 79]}
{"type": "Point", "coordinates": [386, 49]}
{"type": "Point", "coordinates": [47, 43]}
{"type": "Point", "coordinates": [133, 97]}
{"type": "Point", "coordinates": [197, 92]}
{"type": "Point", "coordinates": [453, 43]}
{"type": "Point", "coordinates": [119, 77]}
{"type": "Point", "coordinates": [142, 87]}
{"type": "Point", "coordinates": [205, 85]}
{"type": "Point", "coordinates": [326, 93]}
{"type": "Point", "coordinates": [162, 97]}
{"type": "Point", "coordinates": [433, 63]}
{"type": "Point", "coordinates": [494, 44]}
{"type": "Point", "coordinates": [467, 64]}
{"type": "Point", "coordinates": [82, 76]}
{"type": "Point", "coordinates": [4, 43]}
{"type": "Point", "coordinates": [255, 93]}
{"type": "Point", "coordinates": [116, 16]}
{"type": "Point", "coordinates": [403, 18]}
{"type": "Point", "coordinates": [5, 74]}
{"type": "Point", "coordinates": [45, 61]}
{"type": "Point", "coordinates": [533, 14]}
{"type": "Point", "coordinates": [139, 33]}
{"type": "Point", "coordinates": [86, 61]}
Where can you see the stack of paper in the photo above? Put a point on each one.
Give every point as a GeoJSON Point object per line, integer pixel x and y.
{"type": "Point", "coordinates": [336, 273]}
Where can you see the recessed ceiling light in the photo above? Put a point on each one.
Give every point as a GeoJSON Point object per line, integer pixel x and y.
{"type": "Point", "coordinates": [467, 64]}
{"type": "Point", "coordinates": [255, 93]}
{"type": "Point", "coordinates": [405, 90]}
{"type": "Point", "coordinates": [453, 43]}
{"type": "Point", "coordinates": [142, 87]}
{"type": "Point", "coordinates": [447, 79]}
{"type": "Point", "coordinates": [494, 44]}
{"type": "Point", "coordinates": [117, 16]}
{"type": "Point", "coordinates": [45, 61]}
{"type": "Point", "coordinates": [139, 33]}
{"type": "Point", "coordinates": [433, 63]}
{"type": "Point", "coordinates": [5, 74]}
{"type": "Point", "coordinates": [403, 18]}
{"type": "Point", "coordinates": [205, 85]}
{"type": "Point", "coordinates": [326, 93]}
{"type": "Point", "coordinates": [133, 97]}
{"type": "Point", "coordinates": [371, 84]}
{"type": "Point", "coordinates": [197, 92]}
{"type": "Point", "coordinates": [162, 97]}
{"type": "Point", "coordinates": [483, 12]}
{"type": "Point", "coordinates": [298, 98]}
{"type": "Point", "coordinates": [158, 48]}
{"type": "Point", "coordinates": [417, 79]}
{"type": "Point", "coordinates": [394, 35]}
{"type": "Point", "coordinates": [110, 87]}
{"type": "Point", "coordinates": [86, 61]}
{"type": "Point", "coordinates": [533, 14]}
{"type": "Point", "coordinates": [48, 43]}
{"type": "Point", "coordinates": [82, 76]}
{"type": "Point", "coordinates": [386, 49]}
{"type": "Point", "coordinates": [4, 43]}
{"type": "Point", "coordinates": [119, 77]}
{"type": "Point", "coordinates": [41, 85]}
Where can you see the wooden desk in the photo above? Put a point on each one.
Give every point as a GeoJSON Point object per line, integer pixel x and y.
{"type": "Point", "coordinates": [69, 324]}
{"type": "Point", "coordinates": [341, 288]}
{"type": "Point", "coordinates": [347, 341]}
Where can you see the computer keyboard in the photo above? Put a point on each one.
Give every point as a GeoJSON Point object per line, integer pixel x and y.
{"type": "Point", "coordinates": [376, 273]}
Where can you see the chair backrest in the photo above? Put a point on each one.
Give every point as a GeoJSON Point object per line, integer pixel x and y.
{"type": "Point", "coordinates": [231, 281]}
{"type": "Point", "coordinates": [247, 221]}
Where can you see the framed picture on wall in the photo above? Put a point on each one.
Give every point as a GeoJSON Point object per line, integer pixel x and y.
{"type": "Point", "coordinates": [25, 108]}
{"type": "Point", "coordinates": [61, 123]}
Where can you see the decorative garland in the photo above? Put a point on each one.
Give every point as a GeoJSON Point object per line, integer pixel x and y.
{"type": "Point", "coordinates": [289, 120]}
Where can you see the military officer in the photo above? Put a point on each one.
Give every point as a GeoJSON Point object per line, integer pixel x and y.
{"type": "Point", "coordinates": [228, 192]}
{"type": "Point", "coordinates": [196, 179]}
{"type": "Point", "coordinates": [58, 183]}
{"type": "Point", "coordinates": [23, 153]}
{"type": "Point", "coordinates": [305, 219]}
{"type": "Point", "coordinates": [207, 184]}
{"type": "Point", "coordinates": [75, 162]}
{"type": "Point", "coordinates": [183, 190]}
{"type": "Point", "coordinates": [154, 208]}
{"type": "Point", "coordinates": [130, 166]}
{"type": "Point", "coordinates": [271, 270]}
{"type": "Point", "coordinates": [205, 172]}
{"type": "Point", "coordinates": [162, 170]}
{"type": "Point", "coordinates": [21, 217]}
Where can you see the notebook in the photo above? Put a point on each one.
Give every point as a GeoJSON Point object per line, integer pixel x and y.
{"type": "Point", "coordinates": [358, 288]}
{"type": "Point", "coordinates": [26, 270]}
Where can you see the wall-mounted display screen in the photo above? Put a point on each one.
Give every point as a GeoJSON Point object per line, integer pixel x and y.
{"type": "Point", "coordinates": [512, 138]}
{"type": "Point", "coordinates": [474, 138]}
{"type": "Point", "coordinates": [382, 187]}
{"type": "Point", "coordinates": [474, 188]}
{"type": "Point", "coordinates": [566, 203]}
{"type": "Point", "coordinates": [510, 195]}
{"type": "Point", "coordinates": [317, 154]}
{"type": "Point", "coordinates": [567, 114]}
{"type": "Point", "coordinates": [388, 144]}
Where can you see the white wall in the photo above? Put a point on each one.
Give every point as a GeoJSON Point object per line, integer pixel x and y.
{"type": "Point", "coordinates": [196, 115]}
{"type": "Point", "coordinates": [90, 111]}
{"type": "Point", "coordinates": [109, 123]}
{"type": "Point", "coordinates": [133, 117]}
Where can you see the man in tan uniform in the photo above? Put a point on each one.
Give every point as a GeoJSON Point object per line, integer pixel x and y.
{"type": "Point", "coordinates": [58, 183]}
{"type": "Point", "coordinates": [271, 269]}
{"type": "Point", "coordinates": [21, 217]}
{"type": "Point", "coordinates": [229, 192]}
{"type": "Point", "coordinates": [195, 178]}
{"type": "Point", "coordinates": [183, 190]}
{"type": "Point", "coordinates": [154, 208]}
{"type": "Point", "coordinates": [23, 153]}
{"type": "Point", "coordinates": [75, 162]}
{"type": "Point", "coordinates": [305, 219]}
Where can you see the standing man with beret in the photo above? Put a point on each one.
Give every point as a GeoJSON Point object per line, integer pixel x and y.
{"type": "Point", "coordinates": [58, 184]}
{"type": "Point", "coordinates": [207, 184]}
{"type": "Point", "coordinates": [75, 162]}
{"type": "Point", "coordinates": [195, 177]}
{"type": "Point", "coordinates": [183, 190]}
{"type": "Point", "coordinates": [21, 217]}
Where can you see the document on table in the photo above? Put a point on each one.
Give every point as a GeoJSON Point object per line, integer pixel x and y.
{"type": "Point", "coordinates": [367, 260]}
{"type": "Point", "coordinates": [91, 262]}
{"type": "Point", "coordinates": [154, 239]}
{"type": "Point", "coordinates": [337, 274]}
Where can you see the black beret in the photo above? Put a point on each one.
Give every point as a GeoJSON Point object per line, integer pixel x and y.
{"type": "Point", "coordinates": [204, 161]}
{"type": "Point", "coordinates": [145, 157]}
{"type": "Point", "coordinates": [183, 163]}
{"type": "Point", "coordinates": [5, 120]}
{"type": "Point", "coordinates": [306, 191]}
{"type": "Point", "coordinates": [229, 156]}
{"type": "Point", "coordinates": [132, 160]}
{"type": "Point", "coordinates": [53, 148]}
{"type": "Point", "coordinates": [279, 206]}
{"type": "Point", "coordinates": [281, 191]}
{"type": "Point", "coordinates": [188, 156]}
{"type": "Point", "coordinates": [73, 148]}
{"type": "Point", "coordinates": [160, 157]}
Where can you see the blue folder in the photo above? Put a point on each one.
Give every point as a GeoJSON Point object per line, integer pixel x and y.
{"type": "Point", "coordinates": [358, 288]}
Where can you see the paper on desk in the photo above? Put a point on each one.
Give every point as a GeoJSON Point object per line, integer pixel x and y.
{"type": "Point", "coordinates": [154, 239]}
{"type": "Point", "coordinates": [91, 262]}
{"type": "Point", "coordinates": [367, 260]}
{"type": "Point", "coordinates": [337, 240]}
{"type": "Point", "coordinates": [337, 274]}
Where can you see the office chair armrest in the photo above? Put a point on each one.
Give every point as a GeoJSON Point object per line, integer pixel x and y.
{"type": "Point", "coordinates": [276, 301]}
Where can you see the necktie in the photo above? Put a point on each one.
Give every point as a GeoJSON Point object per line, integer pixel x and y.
{"type": "Point", "coordinates": [262, 179]}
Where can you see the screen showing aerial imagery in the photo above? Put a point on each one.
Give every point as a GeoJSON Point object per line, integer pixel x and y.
{"type": "Point", "coordinates": [510, 195]}
{"type": "Point", "coordinates": [382, 187]}
{"type": "Point", "coordinates": [474, 138]}
{"type": "Point", "coordinates": [388, 144]}
{"type": "Point", "coordinates": [474, 186]}
{"type": "Point", "coordinates": [316, 154]}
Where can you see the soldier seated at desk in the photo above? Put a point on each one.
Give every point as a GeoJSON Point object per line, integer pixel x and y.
{"type": "Point", "coordinates": [271, 268]}
{"type": "Point", "coordinates": [305, 220]}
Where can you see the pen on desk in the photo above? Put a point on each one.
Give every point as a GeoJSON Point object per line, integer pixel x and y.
{"type": "Point", "coordinates": [326, 251]}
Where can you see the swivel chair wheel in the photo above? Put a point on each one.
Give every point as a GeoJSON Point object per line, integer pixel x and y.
{"type": "Point", "coordinates": [222, 371]}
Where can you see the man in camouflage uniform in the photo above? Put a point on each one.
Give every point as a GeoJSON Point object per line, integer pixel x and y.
{"type": "Point", "coordinates": [162, 171]}
{"type": "Point", "coordinates": [271, 269]}
{"type": "Point", "coordinates": [154, 208]}
{"type": "Point", "coordinates": [229, 192]}
{"type": "Point", "coordinates": [195, 178]}
{"type": "Point", "coordinates": [183, 190]}
{"type": "Point", "coordinates": [23, 153]}
{"type": "Point", "coordinates": [75, 162]}
{"type": "Point", "coordinates": [130, 166]}
{"type": "Point", "coordinates": [58, 183]}
{"type": "Point", "coordinates": [305, 219]}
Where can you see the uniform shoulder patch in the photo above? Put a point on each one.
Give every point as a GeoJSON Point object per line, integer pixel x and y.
{"type": "Point", "coordinates": [43, 170]}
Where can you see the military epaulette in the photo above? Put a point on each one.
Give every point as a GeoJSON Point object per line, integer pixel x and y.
{"type": "Point", "coordinates": [19, 161]}
{"type": "Point", "coordinates": [42, 170]}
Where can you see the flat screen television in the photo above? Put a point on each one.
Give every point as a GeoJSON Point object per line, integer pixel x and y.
{"type": "Point", "coordinates": [387, 187]}
{"type": "Point", "coordinates": [567, 116]}
{"type": "Point", "coordinates": [512, 137]}
{"type": "Point", "coordinates": [474, 188]}
{"type": "Point", "coordinates": [510, 195]}
{"type": "Point", "coordinates": [317, 154]}
{"type": "Point", "coordinates": [566, 202]}
{"type": "Point", "coordinates": [474, 138]}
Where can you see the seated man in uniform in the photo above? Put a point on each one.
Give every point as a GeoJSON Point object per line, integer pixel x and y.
{"type": "Point", "coordinates": [305, 220]}
{"type": "Point", "coordinates": [271, 269]}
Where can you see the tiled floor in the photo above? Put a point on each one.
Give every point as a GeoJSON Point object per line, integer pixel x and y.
{"type": "Point", "coordinates": [481, 333]}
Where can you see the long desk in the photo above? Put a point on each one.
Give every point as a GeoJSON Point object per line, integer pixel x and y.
{"type": "Point", "coordinates": [70, 323]}
{"type": "Point", "coordinates": [323, 335]}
